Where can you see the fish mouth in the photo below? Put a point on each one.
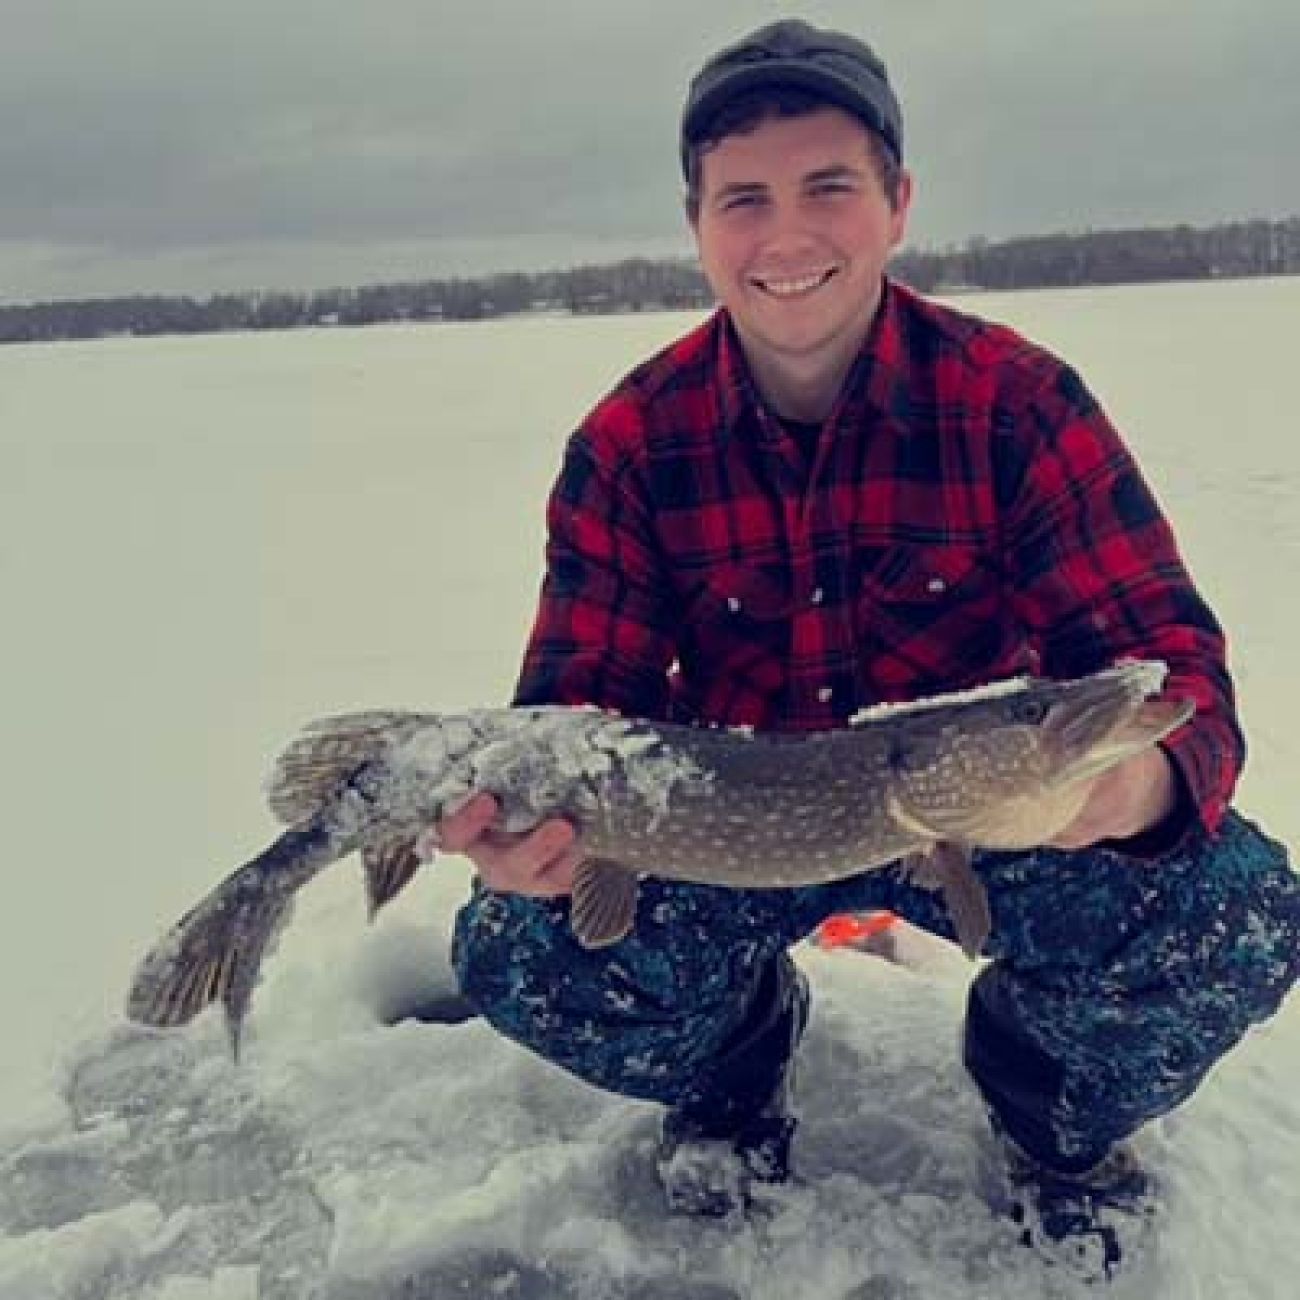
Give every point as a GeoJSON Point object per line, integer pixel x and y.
{"type": "Point", "coordinates": [1081, 729]}
{"type": "Point", "coordinates": [1111, 718]}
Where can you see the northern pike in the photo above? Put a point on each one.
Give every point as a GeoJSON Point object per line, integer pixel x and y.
{"type": "Point", "coordinates": [1005, 766]}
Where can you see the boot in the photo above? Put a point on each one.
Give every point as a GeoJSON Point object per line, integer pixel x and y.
{"type": "Point", "coordinates": [1087, 1221]}
{"type": "Point", "coordinates": [714, 1149]}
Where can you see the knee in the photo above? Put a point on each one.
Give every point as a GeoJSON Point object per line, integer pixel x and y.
{"type": "Point", "coordinates": [1247, 888]}
{"type": "Point", "coordinates": [630, 1018]}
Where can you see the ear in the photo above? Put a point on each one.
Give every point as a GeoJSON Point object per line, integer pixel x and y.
{"type": "Point", "coordinates": [898, 220]}
{"type": "Point", "coordinates": [691, 207]}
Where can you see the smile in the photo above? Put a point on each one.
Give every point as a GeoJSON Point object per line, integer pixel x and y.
{"type": "Point", "coordinates": [794, 286]}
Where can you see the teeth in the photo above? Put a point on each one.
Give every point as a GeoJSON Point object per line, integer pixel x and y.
{"type": "Point", "coordinates": [786, 288]}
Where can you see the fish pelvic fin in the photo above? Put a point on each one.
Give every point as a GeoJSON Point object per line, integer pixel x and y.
{"type": "Point", "coordinates": [603, 907]}
{"type": "Point", "coordinates": [389, 868]}
{"type": "Point", "coordinates": [945, 866]}
{"type": "Point", "coordinates": [315, 766]}
{"type": "Point", "coordinates": [214, 953]}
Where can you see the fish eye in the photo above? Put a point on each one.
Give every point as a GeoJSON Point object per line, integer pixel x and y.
{"type": "Point", "coordinates": [1031, 712]}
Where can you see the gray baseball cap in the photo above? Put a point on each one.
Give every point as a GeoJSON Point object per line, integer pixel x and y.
{"type": "Point", "coordinates": [844, 71]}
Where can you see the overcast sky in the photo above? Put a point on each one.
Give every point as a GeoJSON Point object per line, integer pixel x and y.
{"type": "Point", "coordinates": [204, 145]}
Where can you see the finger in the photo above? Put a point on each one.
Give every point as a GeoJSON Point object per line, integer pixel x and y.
{"type": "Point", "coordinates": [1073, 841]}
{"type": "Point", "coordinates": [1078, 834]}
{"type": "Point", "coordinates": [521, 866]}
{"type": "Point", "coordinates": [556, 878]}
{"type": "Point", "coordinates": [545, 838]}
{"type": "Point", "coordinates": [457, 831]}
{"type": "Point", "coordinates": [531, 854]}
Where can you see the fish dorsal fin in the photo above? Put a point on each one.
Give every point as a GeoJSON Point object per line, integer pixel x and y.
{"type": "Point", "coordinates": [388, 869]}
{"type": "Point", "coordinates": [604, 902]}
{"type": "Point", "coordinates": [315, 765]}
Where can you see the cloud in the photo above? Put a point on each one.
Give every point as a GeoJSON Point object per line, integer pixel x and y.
{"type": "Point", "coordinates": [204, 145]}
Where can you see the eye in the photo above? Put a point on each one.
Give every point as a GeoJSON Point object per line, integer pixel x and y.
{"type": "Point", "coordinates": [1030, 712]}
{"type": "Point", "coordinates": [825, 189]}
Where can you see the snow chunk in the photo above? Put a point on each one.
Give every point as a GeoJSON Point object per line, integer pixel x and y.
{"type": "Point", "coordinates": [1146, 676]}
{"type": "Point", "coordinates": [541, 761]}
{"type": "Point", "coordinates": [70, 1260]}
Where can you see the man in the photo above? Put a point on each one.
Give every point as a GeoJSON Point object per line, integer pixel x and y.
{"type": "Point", "coordinates": [836, 492]}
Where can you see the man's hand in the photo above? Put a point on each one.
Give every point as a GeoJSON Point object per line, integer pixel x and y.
{"type": "Point", "coordinates": [1134, 796]}
{"type": "Point", "coordinates": [540, 862]}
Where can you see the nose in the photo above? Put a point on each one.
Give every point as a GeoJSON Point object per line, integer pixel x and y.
{"type": "Point", "coordinates": [788, 232]}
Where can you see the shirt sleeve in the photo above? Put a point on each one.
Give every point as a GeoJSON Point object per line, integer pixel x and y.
{"type": "Point", "coordinates": [1096, 576]}
{"type": "Point", "coordinates": [602, 633]}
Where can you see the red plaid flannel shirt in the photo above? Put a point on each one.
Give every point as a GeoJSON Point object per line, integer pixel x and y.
{"type": "Point", "coordinates": [969, 514]}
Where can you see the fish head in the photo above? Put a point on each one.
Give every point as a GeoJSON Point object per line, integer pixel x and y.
{"type": "Point", "coordinates": [1012, 768]}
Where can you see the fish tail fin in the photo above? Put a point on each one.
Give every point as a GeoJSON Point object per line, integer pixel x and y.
{"type": "Point", "coordinates": [215, 951]}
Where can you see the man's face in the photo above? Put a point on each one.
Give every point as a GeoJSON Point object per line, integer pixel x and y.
{"type": "Point", "coordinates": [794, 229]}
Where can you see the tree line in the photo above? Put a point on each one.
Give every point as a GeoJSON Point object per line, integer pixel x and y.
{"type": "Point", "coordinates": [1231, 250]}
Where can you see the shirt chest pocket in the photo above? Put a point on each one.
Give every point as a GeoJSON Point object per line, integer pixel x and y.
{"type": "Point", "coordinates": [929, 618]}
{"type": "Point", "coordinates": [736, 625]}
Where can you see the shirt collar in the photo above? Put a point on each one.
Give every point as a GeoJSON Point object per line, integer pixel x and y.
{"type": "Point", "coordinates": [736, 396]}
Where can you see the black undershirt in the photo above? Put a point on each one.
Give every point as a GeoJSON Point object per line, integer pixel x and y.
{"type": "Point", "coordinates": [804, 435]}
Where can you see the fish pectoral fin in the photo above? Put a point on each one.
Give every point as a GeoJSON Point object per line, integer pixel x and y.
{"type": "Point", "coordinates": [603, 907]}
{"type": "Point", "coordinates": [389, 868]}
{"type": "Point", "coordinates": [924, 867]}
{"type": "Point", "coordinates": [946, 866]}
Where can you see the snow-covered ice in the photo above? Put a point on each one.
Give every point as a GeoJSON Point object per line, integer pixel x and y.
{"type": "Point", "coordinates": [204, 542]}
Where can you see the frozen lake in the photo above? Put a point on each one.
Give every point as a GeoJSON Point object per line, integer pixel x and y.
{"type": "Point", "coordinates": [205, 542]}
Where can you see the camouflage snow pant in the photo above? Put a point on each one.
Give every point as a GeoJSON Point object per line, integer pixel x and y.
{"type": "Point", "coordinates": [1114, 986]}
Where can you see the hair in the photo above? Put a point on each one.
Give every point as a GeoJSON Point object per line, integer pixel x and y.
{"type": "Point", "coordinates": [748, 111]}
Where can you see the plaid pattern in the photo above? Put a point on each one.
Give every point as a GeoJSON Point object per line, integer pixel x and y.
{"type": "Point", "coordinates": [969, 513]}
